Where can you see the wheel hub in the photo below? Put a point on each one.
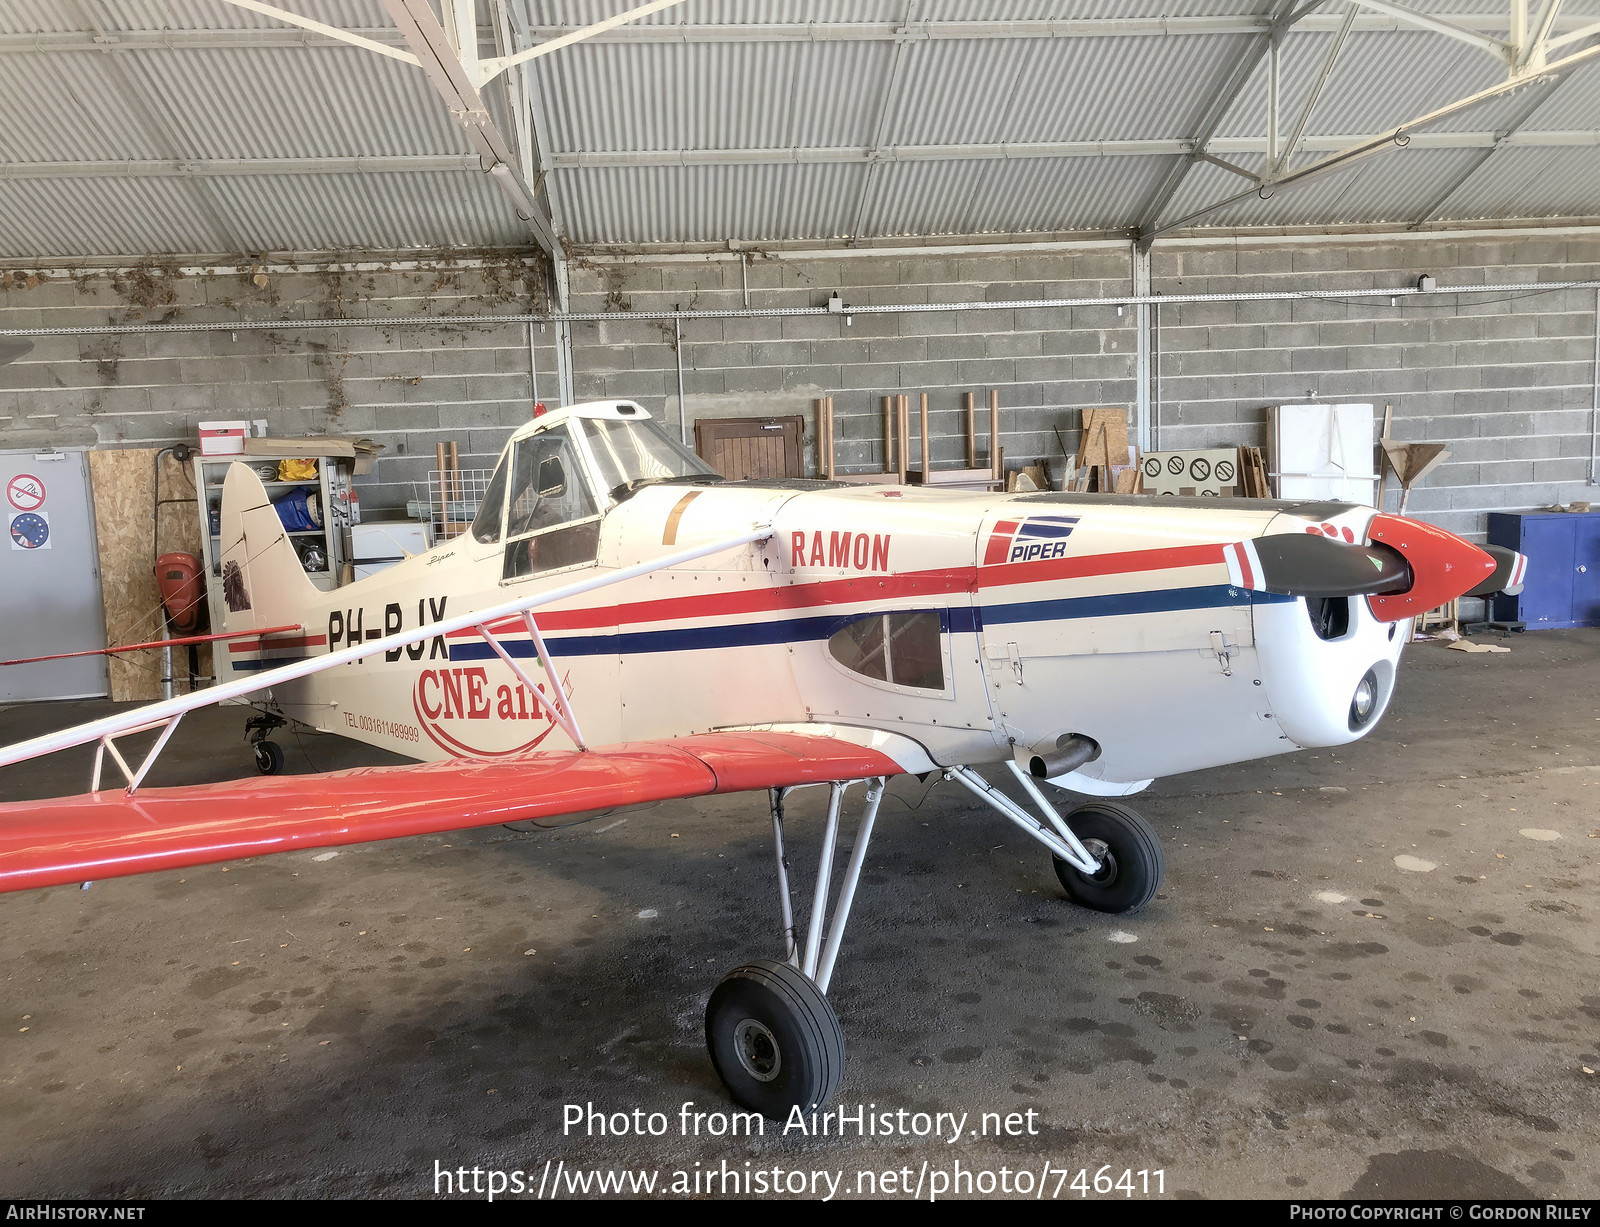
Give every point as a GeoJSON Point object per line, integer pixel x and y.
{"type": "Point", "coordinates": [1101, 852]}
{"type": "Point", "coordinates": [757, 1050]}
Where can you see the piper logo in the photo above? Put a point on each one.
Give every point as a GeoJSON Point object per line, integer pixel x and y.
{"type": "Point", "coordinates": [1029, 540]}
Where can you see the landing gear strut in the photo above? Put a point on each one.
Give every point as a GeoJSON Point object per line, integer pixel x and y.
{"type": "Point", "coordinates": [1107, 858]}
{"type": "Point", "coordinates": [773, 1038]}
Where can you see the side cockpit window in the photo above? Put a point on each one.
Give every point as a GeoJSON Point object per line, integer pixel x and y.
{"type": "Point", "coordinates": [486, 524]}
{"type": "Point", "coordinates": [552, 519]}
{"type": "Point", "coordinates": [902, 649]}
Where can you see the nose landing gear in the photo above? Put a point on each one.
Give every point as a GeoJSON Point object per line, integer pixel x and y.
{"type": "Point", "coordinates": [1129, 852]}
{"type": "Point", "coordinates": [1107, 858]}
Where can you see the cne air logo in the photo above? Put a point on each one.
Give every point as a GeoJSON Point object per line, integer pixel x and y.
{"type": "Point", "coordinates": [466, 713]}
{"type": "Point", "coordinates": [1029, 540]}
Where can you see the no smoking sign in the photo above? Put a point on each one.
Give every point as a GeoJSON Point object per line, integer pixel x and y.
{"type": "Point", "coordinates": [25, 492]}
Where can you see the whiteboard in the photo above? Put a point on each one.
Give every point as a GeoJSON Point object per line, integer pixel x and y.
{"type": "Point", "coordinates": [1323, 452]}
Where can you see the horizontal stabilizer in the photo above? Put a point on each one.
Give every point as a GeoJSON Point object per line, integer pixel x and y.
{"type": "Point", "coordinates": [110, 833]}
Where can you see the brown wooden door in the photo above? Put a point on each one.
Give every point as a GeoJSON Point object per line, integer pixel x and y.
{"type": "Point", "coordinates": [752, 447]}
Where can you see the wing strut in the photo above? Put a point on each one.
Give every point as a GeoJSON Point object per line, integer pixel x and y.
{"type": "Point", "coordinates": [165, 712]}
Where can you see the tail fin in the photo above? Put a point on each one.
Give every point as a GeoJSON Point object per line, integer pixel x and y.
{"type": "Point", "coordinates": [263, 583]}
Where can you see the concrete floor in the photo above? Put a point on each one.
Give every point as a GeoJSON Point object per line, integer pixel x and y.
{"type": "Point", "coordinates": [1294, 1015]}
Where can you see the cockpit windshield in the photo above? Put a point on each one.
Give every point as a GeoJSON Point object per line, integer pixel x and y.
{"type": "Point", "coordinates": [630, 454]}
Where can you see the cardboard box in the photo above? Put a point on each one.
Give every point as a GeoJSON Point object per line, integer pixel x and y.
{"type": "Point", "coordinates": [223, 438]}
{"type": "Point", "coordinates": [363, 452]}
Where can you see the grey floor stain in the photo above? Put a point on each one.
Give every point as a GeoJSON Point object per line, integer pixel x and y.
{"type": "Point", "coordinates": [1434, 1173]}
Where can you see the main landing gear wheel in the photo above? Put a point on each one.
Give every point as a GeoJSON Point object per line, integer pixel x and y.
{"type": "Point", "coordinates": [269, 757]}
{"type": "Point", "coordinates": [1129, 851]}
{"type": "Point", "coordinates": [774, 1039]}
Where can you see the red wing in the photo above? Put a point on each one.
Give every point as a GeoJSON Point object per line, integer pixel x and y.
{"type": "Point", "coordinates": [109, 834]}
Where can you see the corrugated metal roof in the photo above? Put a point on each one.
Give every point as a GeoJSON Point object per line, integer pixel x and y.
{"type": "Point", "coordinates": [203, 122]}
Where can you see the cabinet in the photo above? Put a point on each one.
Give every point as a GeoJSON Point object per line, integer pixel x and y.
{"type": "Point", "coordinates": [1563, 584]}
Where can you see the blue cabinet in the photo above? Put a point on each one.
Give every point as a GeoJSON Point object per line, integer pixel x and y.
{"type": "Point", "coordinates": [1563, 584]}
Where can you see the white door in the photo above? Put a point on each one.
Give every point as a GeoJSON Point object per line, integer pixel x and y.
{"type": "Point", "coordinates": [49, 578]}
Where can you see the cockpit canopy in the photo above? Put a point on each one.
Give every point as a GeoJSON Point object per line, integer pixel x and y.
{"type": "Point", "coordinates": [559, 475]}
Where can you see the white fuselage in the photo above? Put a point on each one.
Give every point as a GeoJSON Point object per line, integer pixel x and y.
{"type": "Point", "coordinates": [1010, 621]}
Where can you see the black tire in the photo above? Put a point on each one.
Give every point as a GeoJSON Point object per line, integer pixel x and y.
{"type": "Point", "coordinates": [1133, 861]}
{"type": "Point", "coordinates": [269, 757]}
{"type": "Point", "coordinates": [774, 1039]}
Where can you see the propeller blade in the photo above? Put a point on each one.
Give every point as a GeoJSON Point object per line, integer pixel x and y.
{"type": "Point", "coordinates": [1510, 570]}
{"type": "Point", "coordinates": [12, 348]}
{"type": "Point", "coordinates": [1295, 564]}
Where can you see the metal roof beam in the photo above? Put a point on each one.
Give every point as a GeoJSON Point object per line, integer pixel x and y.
{"type": "Point", "coordinates": [1292, 145]}
{"type": "Point", "coordinates": [402, 164]}
{"type": "Point", "coordinates": [1572, 36]}
{"type": "Point", "coordinates": [387, 41]}
{"type": "Point", "coordinates": [161, 131]}
{"type": "Point", "coordinates": [231, 168]}
{"type": "Point", "coordinates": [1531, 54]}
{"type": "Point", "coordinates": [1401, 135]}
{"type": "Point", "coordinates": [891, 98]}
{"type": "Point", "coordinates": [1503, 139]}
{"type": "Point", "coordinates": [938, 30]}
{"type": "Point", "coordinates": [1013, 151]}
{"type": "Point", "coordinates": [1217, 107]}
{"type": "Point", "coordinates": [1497, 47]}
{"type": "Point", "coordinates": [326, 31]}
{"type": "Point", "coordinates": [450, 77]}
{"type": "Point", "coordinates": [486, 70]}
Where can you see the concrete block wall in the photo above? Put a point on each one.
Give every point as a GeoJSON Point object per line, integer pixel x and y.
{"type": "Point", "coordinates": [408, 379]}
{"type": "Point", "coordinates": [1046, 364]}
{"type": "Point", "coordinates": [1505, 379]}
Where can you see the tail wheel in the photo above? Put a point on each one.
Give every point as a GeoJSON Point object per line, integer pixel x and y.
{"type": "Point", "coordinates": [1129, 851]}
{"type": "Point", "coordinates": [269, 757]}
{"type": "Point", "coordinates": [774, 1039]}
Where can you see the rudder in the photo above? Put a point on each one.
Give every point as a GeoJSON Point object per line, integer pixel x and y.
{"type": "Point", "coordinates": [263, 583]}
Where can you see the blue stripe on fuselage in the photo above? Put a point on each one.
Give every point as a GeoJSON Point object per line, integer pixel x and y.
{"type": "Point", "coordinates": [250, 666]}
{"type": "Point", "coordinates": [799, 630]}
{"type": "Point", "coordinates": [1162, 600]}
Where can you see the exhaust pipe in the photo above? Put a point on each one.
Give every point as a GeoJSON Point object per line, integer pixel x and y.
{"type": "Point", "coordinates": [1066, 754]}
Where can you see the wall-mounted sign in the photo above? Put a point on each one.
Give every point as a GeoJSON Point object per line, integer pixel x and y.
{"type": "Point", "coordinates": [25, 492]}
{"type": "Point", "coordinates": [30, 530]}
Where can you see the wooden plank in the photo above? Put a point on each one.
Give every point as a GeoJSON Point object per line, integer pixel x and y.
{"type": "Point", "coordinates": [922, 432]}
{"type": "Point", "coordinates": [972, 431]}
{"type": "Point", "coordinates": [997, 460]}
{"type": "Point", "coordinates": [902, 408]}
{"type": "Point", "coordinates": [888, 435]}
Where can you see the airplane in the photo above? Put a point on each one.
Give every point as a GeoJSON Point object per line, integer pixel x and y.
{"type": "Point", "coordinates": [619, 625]}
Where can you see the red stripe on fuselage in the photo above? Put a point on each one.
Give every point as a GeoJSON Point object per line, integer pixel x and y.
{"type": "Point", "coordinates": [274, 643]}
{"type": "Point", "coordinates": [1000, 542]}
{"type": "Point", "coordinates": [866, 588]}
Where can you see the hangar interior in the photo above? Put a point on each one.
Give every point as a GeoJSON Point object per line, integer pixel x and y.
{"type": "Point", "coordinates": [1193, 211]}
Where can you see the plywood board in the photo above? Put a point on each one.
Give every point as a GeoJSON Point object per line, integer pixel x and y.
{"type": "Point", "coordinates": [1103, 438]}
{"type": "Point", "coordinates": [122, 484]}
